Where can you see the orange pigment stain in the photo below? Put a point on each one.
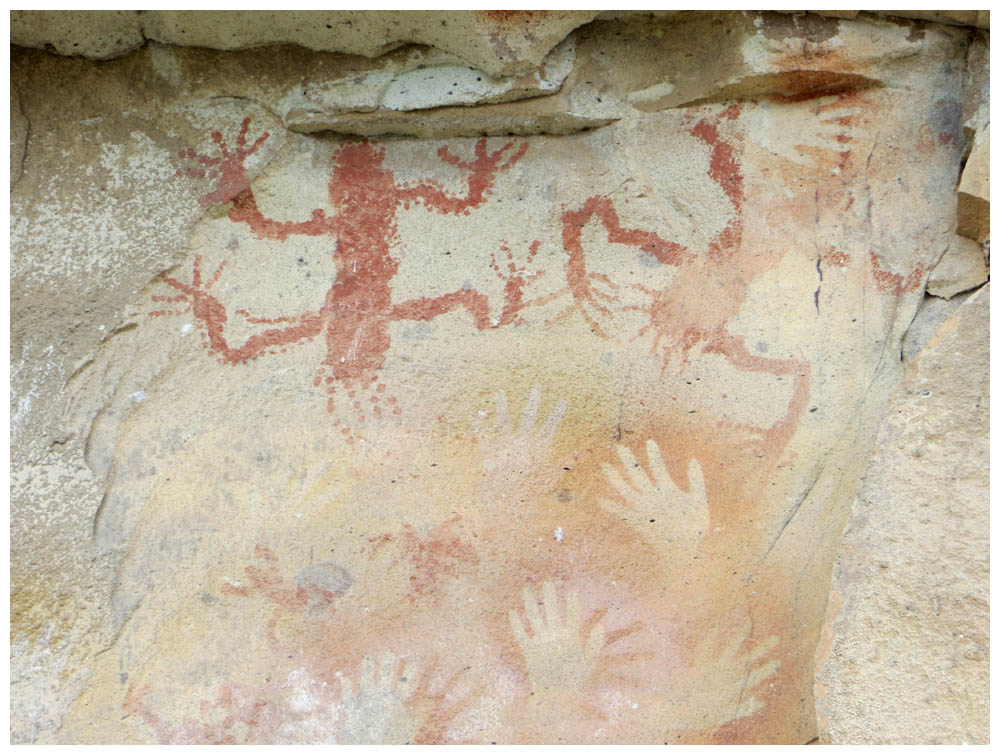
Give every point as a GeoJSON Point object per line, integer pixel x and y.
{"type": "Point", "coordinates": [837, 259]}
{"type": "Point", "coordinates": [680, 318]}
{"type": "Point", "coordinates": [268, 582]}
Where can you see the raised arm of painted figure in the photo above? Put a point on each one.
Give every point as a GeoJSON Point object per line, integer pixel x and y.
{"type": "Point", "coordinates": [515, 279]}
{"type": "Point", "coordinates": [212, 316]}
{"type": "Point", "coordinates": [482, 172]}
{"type": "Point", "coordinates": [227, 168]}
{"type": "Point", "coordinates": [232, 184]}
{"type": "Point", "coordinates": [582, 284]}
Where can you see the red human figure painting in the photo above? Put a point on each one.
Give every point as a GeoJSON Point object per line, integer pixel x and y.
{"type": "Point", "coordinates": [677, 318]}
{"type": "Point", "coordinates": [356, 313]}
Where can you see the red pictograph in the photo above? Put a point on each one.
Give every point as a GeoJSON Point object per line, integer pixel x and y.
{"type": "Point", "coordinates": [355, 316]}
{"type": "Point", "coordinates": [240, 714]}
{"type": "Point", "coordinates": [357, 311]}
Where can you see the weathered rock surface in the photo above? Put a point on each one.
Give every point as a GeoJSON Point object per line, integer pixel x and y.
{"type": "Point", "coordinates": [18, 137]}
{"type": "Point", "coordinates": [427, 79]}
{"type": "Point", "coordinates": [93, 34]}
{"type": "Point", "coordinates": [976, 107]}
{"type": "Point", "coordinates": [963, 267]}
{"type": "Point", "coordinates": [909, 614]}
{"type": "Point", "coordinates": [931, 315]}
{"type": "Point", "coordinates": [974, 190]}
{"type": "Point", "coordinates": [548, 438]}
{"type": "Point", "coordinates": [502, 43]}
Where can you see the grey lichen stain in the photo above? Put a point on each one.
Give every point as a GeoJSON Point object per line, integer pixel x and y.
{"type": "Point", "coordinates": [326, 576]}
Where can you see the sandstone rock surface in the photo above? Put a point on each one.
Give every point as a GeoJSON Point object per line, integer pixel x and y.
{"type": "Point", "coordinates": [909, 615]}
{"type": "Point", "coordinates": [93, 34]}
{"type": "Point", "coordinates": [343, 414]}
{"type": "Point", "coordinates": [963, 267]}
{"type": "Point", "coordinates": [974, 190]}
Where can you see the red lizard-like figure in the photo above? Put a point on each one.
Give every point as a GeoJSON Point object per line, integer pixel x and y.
{"type": "Point", "coordinates": [357, 311]}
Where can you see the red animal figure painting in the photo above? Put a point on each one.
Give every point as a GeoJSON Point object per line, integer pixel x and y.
{"type": "Point", "coordinates": [355, 316]}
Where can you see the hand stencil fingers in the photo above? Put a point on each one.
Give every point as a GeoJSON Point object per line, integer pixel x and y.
{"type": "Point", "coordinates": [503, 416]}
{"type": "Point", "coordinates": [346, 688]}
{"type": "Point", "coordinates": [760, 673]}
{"type": "Point", "coordinates": [635, 473]}
{"type": "Point", "coordinates": [696, 481]}
{"type": "Point", "coordinates": [367, 683]}
{"type": "Point", "coordinates": [574, 618]}
{"type": "Point", "coordinates": [763, 649]}
{"type": "Point", "coordinates": [618, 483]}
{"type": "Point", "coordinates": [533, 614]}
{"type": "Point", "coordinates": [551, 424]}
{"type": "Point", "coordinates": [748, 706]}
{"type": "Point", "coordinates": [729, 653]}
{"type": "Point", "coordinates": [479, 427]}
{"type": "Point", "coordinates": [661, 476]}
{"type": "Point", "coordinates": [406, 683]}
{"type": "Point", "coordinates": [530, 411]}
{"type": "Point", "coordinates": [387, 671]}
{"type": "Point", "coordinates": [614, 508]}
{"type": "Point", "coordinates": [595, 642]}
{"type": "Point", "coordinates": [552, 618]}
{"type": "Point", "coordinates": [518, 628]}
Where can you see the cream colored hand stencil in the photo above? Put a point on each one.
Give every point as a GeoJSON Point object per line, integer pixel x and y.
{"type": "Point", "coordinates": [651, 502]}
{"type": "Point", "coordinates": [513, 461]}
{"type": "Point", "coordinates": [556, 653]}
{"type": "Point", "coordinates": [376, 712]}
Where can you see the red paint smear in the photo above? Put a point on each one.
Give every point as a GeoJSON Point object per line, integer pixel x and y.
{"type": "Point", "coordinates": [579, 280]}
{"type": "Point", "coordinates": [734, 349]}
{"type": "Point", "coordinates": [439, 554]}
{"type": "Point", "coordinates": [238, 704]}
{"type": "Point", "coordinates": [837, 259]}
{"type": "Point", "coordinates": [893, 283]}
{"type": "Point", "coordinates": [724, 169]}
{"type": "Point", "coordinates": [268, 583]}
{"type": "Point", "coordinates": [809, 85]}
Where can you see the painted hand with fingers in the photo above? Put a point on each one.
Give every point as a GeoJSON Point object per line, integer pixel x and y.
{"type": "Point", "coordinates": [557, 654]}
{"type": "Point", "coordinates": [652, 503]}
{"type": "Point", "coordinates": [727, 677]}
{"type": "Point", "coordinates": [376, 712]}
{"type": "Point", "coordinates": [513, 461]}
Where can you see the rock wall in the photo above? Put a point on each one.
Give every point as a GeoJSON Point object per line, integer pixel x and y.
{"type": "Point", "coordinates": [492, 376]}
